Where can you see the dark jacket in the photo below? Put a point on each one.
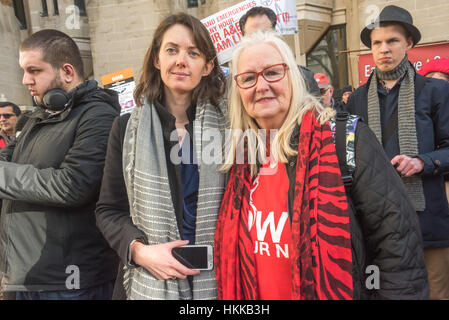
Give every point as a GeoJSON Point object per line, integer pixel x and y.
{"type": "Point", "coordinates": [432, 127]}
{"type": "Point", "coordinates": [337, 105]}
{"type": "Point", "coordinates": [384, 225]}
{"type": "Point", "coordinates": [113, 216]}
{"type": "Point", "coordinates": [311, 85]}
{"type": "Point", "coordinates": [49, 190]}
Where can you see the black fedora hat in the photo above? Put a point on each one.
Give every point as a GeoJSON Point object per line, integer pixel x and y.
{"type": "Point", "coordinates": [392, 14]}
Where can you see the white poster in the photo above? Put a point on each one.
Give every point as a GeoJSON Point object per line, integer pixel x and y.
{"type": "Point", "coordinates": [123, 82]}
{"type": "Point", "coordinates": [224, 26]}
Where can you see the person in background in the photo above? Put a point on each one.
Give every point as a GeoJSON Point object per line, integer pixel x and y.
{"type": "Point", "coordinates": [152, 201]}
{"type": "Point", "coordinates": [263, 18]}
{"type": "Point", "coordinates": [286, 228]}
{"type": "Point", "coordinates": [9, 112]}
{"type": "Point", "coordinates": [21, 121]}
{"type": "Point", "coordinates": [345, 94]}
{"type": "Point", "coordinates": [410, 116]}
{"type": "Point", "coordinates": [50, 246]}
{"type": "Point", "coordinates": [327, 91]}
{"type": "Point", "coordinates": [438, 69]}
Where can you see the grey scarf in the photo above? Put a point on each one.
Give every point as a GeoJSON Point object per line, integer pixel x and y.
{"type": "Point", "coordinates": [151, 206]}
{"type": "Point", "coordinates": [408, 141]}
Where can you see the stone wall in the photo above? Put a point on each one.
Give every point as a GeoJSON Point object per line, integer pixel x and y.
{"type": "Point", "coordinates": [121, 31]}
{"type": "Point", "coordinates": [11, 87]}
{"type": "Point", "coordinates": [116, 33]}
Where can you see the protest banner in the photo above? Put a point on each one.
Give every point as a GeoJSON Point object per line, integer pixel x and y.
{"type": "Point", "coordinates": [123, 82]}
{"type": "Point", "coordinates": [224, 26]}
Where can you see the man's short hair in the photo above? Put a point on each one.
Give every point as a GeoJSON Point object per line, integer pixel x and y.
{"type": "Point", "coordinates": [258, 11]}
{"type": "Point", "coordinates": [14, 107]}
{"type": "Point", "coordinates": [57, 49]}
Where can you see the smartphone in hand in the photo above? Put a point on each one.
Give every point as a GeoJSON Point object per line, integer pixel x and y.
{"type": "Point", "coordinates": [197, 257]}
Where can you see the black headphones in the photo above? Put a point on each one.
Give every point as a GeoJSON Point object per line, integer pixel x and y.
{"type": "Point", "coordinates": [56, 99]}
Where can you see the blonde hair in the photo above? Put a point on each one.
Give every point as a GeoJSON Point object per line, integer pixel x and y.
{"type": "Point", "coordinates": [301, 103]}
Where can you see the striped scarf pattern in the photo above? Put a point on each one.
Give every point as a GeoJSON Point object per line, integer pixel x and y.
{"type": "Point", "coordinates": [151, 206]}
{"type": "Point", "coordinates": [408, 140]}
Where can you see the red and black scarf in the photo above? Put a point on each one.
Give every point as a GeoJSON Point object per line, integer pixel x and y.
{"type": "Point", "coordinates": [321, 259]}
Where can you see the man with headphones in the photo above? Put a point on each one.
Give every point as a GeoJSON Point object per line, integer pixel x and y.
{"type": "Point", "coordinates": [50, 247]}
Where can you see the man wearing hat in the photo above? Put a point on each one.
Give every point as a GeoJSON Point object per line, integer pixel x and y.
{"type": "Point", "coordinates": [326, 91]}
{"type": "Point", "coordinates": [345, 93]}
{"type": "Point", "coordinates": [409, 114]}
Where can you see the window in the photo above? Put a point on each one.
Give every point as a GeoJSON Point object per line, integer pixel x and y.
{"type": "Point", "coordinates": [192, 3]}
{"type": "Point", "coordinates": [81, 4]}
{"type": "Point", "coordinates": [325, 57]}
{"type": "Point", "coordinates": [55, 8]}
{"type": "Point", "coordinates": [44, 12]}
{"type": "Point", "coordinates": [19, 11]}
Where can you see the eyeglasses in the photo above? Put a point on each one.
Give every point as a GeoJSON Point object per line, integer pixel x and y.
{"type": "Point", "coordinates": [273, 73]}
{"type": "Point", "coordinates": [324, 90]}
{"type": "Point", "coordinates": [7, 115]}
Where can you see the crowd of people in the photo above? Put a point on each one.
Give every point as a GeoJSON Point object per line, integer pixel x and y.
{"type": "Point", "coordinates": [306, 196]}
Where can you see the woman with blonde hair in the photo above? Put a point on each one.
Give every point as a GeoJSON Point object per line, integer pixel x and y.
{"type": "Point", "coordinates": [286, 229]}
{"type": "Point", "coordinates": [157, 192]}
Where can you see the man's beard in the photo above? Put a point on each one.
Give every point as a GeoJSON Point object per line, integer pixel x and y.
{"type": "Point", "coordinates": [55, 84]}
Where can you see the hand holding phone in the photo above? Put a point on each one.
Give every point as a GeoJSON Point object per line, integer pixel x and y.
{"type": "Point", "coordinates": [159, 261]}
{"type": "Point", "coordinates": [197, 257]}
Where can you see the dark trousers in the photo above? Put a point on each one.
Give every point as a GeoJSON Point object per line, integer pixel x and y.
{"type": "Point", "coordinates": [101, 292]}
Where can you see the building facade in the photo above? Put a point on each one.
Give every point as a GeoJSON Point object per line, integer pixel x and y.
{"type": "Point", "coordinates": [115, 34]}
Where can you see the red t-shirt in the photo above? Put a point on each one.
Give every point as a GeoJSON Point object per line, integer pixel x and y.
{"type": "Point", "coordinates": [269, 226]}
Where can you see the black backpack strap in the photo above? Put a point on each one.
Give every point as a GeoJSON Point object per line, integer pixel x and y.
{"type": "Point", "coordinates": [391, 126]}
{"type": "Point", "coordinates": [340, 146]}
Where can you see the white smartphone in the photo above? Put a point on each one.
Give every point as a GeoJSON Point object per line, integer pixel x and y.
{"type": "Point", "coordinates": [198, 257]}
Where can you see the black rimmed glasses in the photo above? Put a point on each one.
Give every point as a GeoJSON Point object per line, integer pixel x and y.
{"type": "Point", "coordinates": [272, 73]}
{"type": "Point", "coordinates": [7, 115]}
{"type": "Point", "coordinates": [323, 90]}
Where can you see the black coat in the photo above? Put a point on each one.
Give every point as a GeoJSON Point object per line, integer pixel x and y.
{"type": "Point", "coordinates": [113, 215]}
{"type": "Point", "coordinates": [49, 188]}
{"type": "Point", "coordinates": [384, 226]}
{"type": "Point", "coordinates": [432, 127]}
{"type": "Point", "coordinates": [311, 85]}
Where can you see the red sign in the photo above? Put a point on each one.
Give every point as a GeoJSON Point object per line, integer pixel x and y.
{"type": "Point", "coordinates": [418, 56]}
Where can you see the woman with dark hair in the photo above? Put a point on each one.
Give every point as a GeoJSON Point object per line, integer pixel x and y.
{"type": "Point", "coordinates": [157, 188]}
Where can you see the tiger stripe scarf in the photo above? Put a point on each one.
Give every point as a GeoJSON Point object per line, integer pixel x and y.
{"type": "Point", "coordinates": [321, 259]}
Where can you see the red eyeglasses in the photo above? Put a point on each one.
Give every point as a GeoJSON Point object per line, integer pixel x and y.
{"type": "Point", "coordinates": [272, 73]}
